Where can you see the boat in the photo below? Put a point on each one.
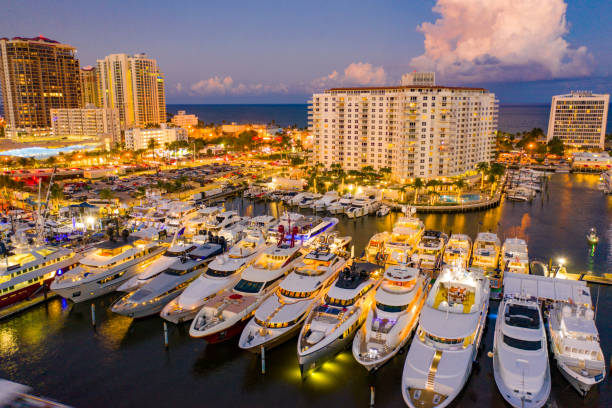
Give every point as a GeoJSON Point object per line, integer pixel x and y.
{"type": "Point", "coordinates": [458, 250]}
{"type": "Point", "coordinates": [178, 214]}
{"type": "Point", "coordinates": [575, 344]}
{"type": "Point", "coordinates": [296, 199]}
{"type": "Point", "coordinates": [299, 228]}
{"type": "Point", "coordinates": [153, 296]}
{"type": "Point", "coordinates": [333, 240]}
{"type": "Point", "coordinates": [328, 199]}
{"type": "Point", "coordinates": [375, 249]}
{"type": "Point", "coordinates": [282, 314]}
{"type": "Point", "coordinates": [407, 232]}
{"type": "Point", "coordinates": [308, 200]}
{"type": "Point", "coordinates": [383, 210]}
{"type": "Point", "coordinates": [222, 273]}
{"type": "Point", "coordinates": [108, 265]}
{"type": "Point", "coordinates": [334, 319]}
{"type": "Point", "coordinates": [362, 205]}
{"type": "Point", "coordinates": [514, 256]}
{"type": "Point", "coordinates": [447, 340]}
{"type": "Point", "coordinates": [15, 395]}
{"type": "Point", "coordinates": [393, 317]}
{"type": "Point", "coordinates": [592, 237]}
{"type": "Point", "coordinates": [341, 205]}
{"type": "Point", "coordinates": [520, 355]}
{"type": "Point", "coordinates": [485, 256]}
{"type": "Point", "coordinates": [430, 250]}
{"type": "Point", "coordinates": [226, 314]}
{"type": "Point", "coordinates": [214, 224]}
{"type": "Point", "coordinates": [538, 268]}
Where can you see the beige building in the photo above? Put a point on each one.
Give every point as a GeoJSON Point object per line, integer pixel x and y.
{"type": "Point", "coordinates": [134, 85]}
{"type": "Point", "coordinates": [417, 131]}
{"type": "Point", "coordinates": [138, 138]}
{"type": "Point", "coordinates": [419, 78]}
{"type": "Point", "coordinates": [88, 122]}
{"type": "Point", "coordinates": [89, 86]}
{"type": "Point", "coordinates": [579, 119]}
{"type": "Point", "coordinates": [37, 75]}
{"type": "Point", "coordinates": [184, 120]}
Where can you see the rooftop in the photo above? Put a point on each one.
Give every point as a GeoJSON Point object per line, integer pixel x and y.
{"type": "Point", "coordinates": [400, 87]}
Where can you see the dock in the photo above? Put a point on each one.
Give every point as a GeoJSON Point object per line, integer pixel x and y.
{"type": "Point", "coordinates": [451, 208]}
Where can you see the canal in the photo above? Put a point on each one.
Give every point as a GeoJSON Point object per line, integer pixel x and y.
{"type": "Point", "coordinates": [123, 363]}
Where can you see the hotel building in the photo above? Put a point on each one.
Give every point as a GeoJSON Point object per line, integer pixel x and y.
{"type": "Point", "coordinates": [37, 75]}
{"type": "Point", "coordinates": [138, 138]}
{"type": "Point", "coordinates": [579, 119]}
{"type": "Point", "coordinates": [88, 122]}
{"type": "Point", "coordinates": [89, 86]}
{"type": "Point", "coordinates": [134, 85]}
{"type": "Point", "coordinates": [417, 131]}
{"type": "Point", "coordinates": [183, 120]}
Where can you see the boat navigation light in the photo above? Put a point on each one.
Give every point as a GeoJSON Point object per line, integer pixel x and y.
{"type": "Point", "coordinates": [561, 261]}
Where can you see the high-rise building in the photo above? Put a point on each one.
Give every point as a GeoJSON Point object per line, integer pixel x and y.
{"type": "Point", "coordinates": [88, 122]}
{"type": "Point", "coordinates": [89, 86]}
{"type": "Point", "coordinates": [418, 131]}
{"type": "Point", "coordinates": [419, 79]}
{"type": "Point", "coordinates": [579, 119]}
{"type": "Point", "coordinates": [134, 85]}
{"type": "Point", "coordinates": [138, 138]}
{"type": "Point", "coordinates": [37, 75]}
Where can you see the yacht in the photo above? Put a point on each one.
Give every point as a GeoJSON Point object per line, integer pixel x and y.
{"type": "Point", "coordinates": [393, 318]}
{"type": "Point", "coordinates": [282, 314]}
{"type": "Point", "coordinates": [301, 230]}
{"type": "Point", "coordinates": [341, 205]}
{"type": "Point", "coordinates": [458, 250]}
{"type": "Point", "coordinates": [154, 266]}
{"type": "Point", "coordinates": [574, 341]}
{"type": "Point", "coordinates": [308, 200]}
{"type": "Point", "coordinates": [430, 250]}
{"type": "Point", "coordinates": [514, 256]}
{"type": "Point", "coordinates": [226, 314]}
{"type": "Point", "coordinates": [110, 263]}
{"type": "Point", "coordinates": [375, 249]}
{"type": "Point", "coordinates": [485, 256]}
{"type": "Point", "coordinates": [234, 233]}
{"type": "Point", "coordinates": [446, 343]}
{"type": "Point", "coordinates": [520, 356]}
{"type": "Point", "coordinates": [222, 273]}
{"type": "Point", "coordinates": [328, 199]}
{"type": "Point", "coordinates": [383, 210]}
{"type": "Point", "coordinates": [217, 222]}
{"type": "Point", "coordinates": [407, 232]}
{"type": "Point", "coordinates": [334, 320]}
{"type": "Point", "coordinates": [297, 199]}
{"type": "Point", "coordinates": [362, 205]}
{"type": "Point", "coordinates": [152, 297]}
{"type": "Point", "coordinates": [285, 224]}
{"type": "Point", "coordinates": [178, 214]}
{"type": "Point", "coordinates": [15, 395]}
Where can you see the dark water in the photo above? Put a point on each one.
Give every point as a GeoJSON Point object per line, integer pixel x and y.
{"type": "Point", "coordinates": [512, 118]}
{"type": "Point", "coordinates": [123, 362]}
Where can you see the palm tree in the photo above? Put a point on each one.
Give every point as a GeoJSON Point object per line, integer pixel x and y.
{"type": "Point", "coordinates": [417, 185]}
{"type": "Point", "coordinates": [152, 145]}
{"type": "Point", "coordinates": [460, 184]}
{"type": "Point", "coordinates": [482, 167]}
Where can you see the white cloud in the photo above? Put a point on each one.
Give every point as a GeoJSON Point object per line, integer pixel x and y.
{"type": "Point", "coordinates": [484, 40]}
{"type": "Point", "coordinates": [179, 87]}
{"type": "Point", "coordinates": [357, 73]}
{"type": "Point", "coordinates": [226, 86]}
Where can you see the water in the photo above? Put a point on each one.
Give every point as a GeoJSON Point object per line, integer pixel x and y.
{"type": "Point", "coordinates": [512, 118]}
{"type": "Point", "coordinates": [123, 363]}
{"type": "Point", "coordinates": [44, 152]}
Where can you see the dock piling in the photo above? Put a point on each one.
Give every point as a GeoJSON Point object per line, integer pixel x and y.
{"type": "Point", "coordinates": [93, 315]}
{"type": "Point", "coordinates": [263, 360]}
{"type": "Point", "coordinates": [165, 335]}
{"type": "Point", "coordinates": [352, 251]}
{"type": "Point", "coordinates": [371, 396]}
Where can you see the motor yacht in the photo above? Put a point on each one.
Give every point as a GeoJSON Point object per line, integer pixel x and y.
{"type": "Point", "coordinates": [514, 256]}
{"type": "Point", "coordinates": [328, 199]}
{"type": "Point", "coordinates": [446, 343]}
{"type": "Point", "coordinates": [574, 341]}
{"type": "Point", "coordinates": [383, 210]}
{"type": "Point", "coordinates": [334, 320]}
{"type": "Point", "coordinates": [520, 356]}
{"type": "Point", "coordinates": [333, 240]}
{"type": "Point", "coordinates": [362, 205]}
{"type": "Point", "coordinates": [222, 273]}
{"type": "Point", "coordinates": [217, 222]}
{"type": "Point", "coordinates": [308, 200]}
{"type": "Point", "coordinates": [430, 250]}
{"type": "Point", "coordinates": [458, 250]}
{"type": "Point", "coordinates": [485, 256]}
{"type": "Point", "coordinates": [393, 318]}
{"type": "Point", "coordinates": [297, 199]}
{"type": "Point", "coordinates": [110, 263]}
{"type": "Point", "coordinates": [178, 214]}
{"type": "Point", "coordinates": [407, 232]}
{"type": "Point", "coordinates": [341, 205]}
{"type": "Point", "coordinates": [226, 314]}
{"type": "Point", "coordinates": [282, 314]}
{"type": "Point", "coordinates": [375, 249]}
{"type": "Point", "coordinates": [300, 229]}
{"type": "Point", "coordinates": [234, 232]}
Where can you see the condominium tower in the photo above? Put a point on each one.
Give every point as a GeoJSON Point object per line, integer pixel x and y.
{"type": "Point", "coordinates": [89, 86]}
{"type": "Point", "coordinates": [134, 85]}
{"type": "Point", "coordinates": [87, 122]}
{"type": "Point", "coordinates": [36, 75]}
{"type": "Point", "coordinates": [579, 119]}
{"type": "Point", "coordinates": [417, 131]}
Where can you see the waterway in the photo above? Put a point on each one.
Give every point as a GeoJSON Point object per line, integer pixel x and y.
{"type": "Point", "coordinates": [123, 363]}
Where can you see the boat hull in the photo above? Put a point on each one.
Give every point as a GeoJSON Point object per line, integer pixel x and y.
{"type": "Point", "coordinates": [312, 361]}
{"type": "Point", "coordinates": [277, 340]}
{"type": "Point", "coordinates": [11, 300]}
{"type": "Point", "coordinates": [506, 393]}
{"type": "Point", "coordinates": [226, 334]}
{"type": "Point", "coordinates": [149, 309]}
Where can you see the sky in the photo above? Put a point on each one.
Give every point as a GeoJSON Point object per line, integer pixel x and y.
{"type": "Point", "coordinates": [282, 51]}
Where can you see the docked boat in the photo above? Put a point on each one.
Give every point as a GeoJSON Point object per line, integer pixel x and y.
{"type": "Point", "coordinates": [362, 205]}
{"type": "Point", "coordinates": [592, 237]}
{"type": "Point", "coordinates": [179, 212]}
{"type": "Point", "coordinates": [308, 200]}
{"type": "Point", "coordinates": [574, 341]}
{"type": "Point", "coordinates": [341, 205]}
{"type": "Point", "coordinates": [514, 256]}
{"type": "Point", "coordinates": [282, 314]}
{"type": "Point", "coordinates": [222, 273]}
{"type": "Point", "coordinates": [110, 263]}
{"type": "Point", "coordinates": [485, 255]}
{"type": "Point", "coordinates": [300, 229]}
{"type": "Point", "coordinates": [458, 250]}
{"type": "Point", "coordinates": [383, 210]}
{"type": "Point", "coordinates": [14, 395]}
{"type": "Point", "coordinates": [226, 314]}
{"type": "Point", "coordinates": [447, 340]}
{"type": "Point", "coordinates": [222, 220]}
{"type": "Point", "coordinates": [430, 250]}
{"type": "Point", "coordinates": [330, 198]}
{"type": "Point", "coordinates": [375, 249]}
{"type": "Point", "coordinates": [393, 318]}
{"type": "Point", "coordinates": [520, 356]}
{"type": "Point", "coordinates": [334, 320]}
{"type": "Point", "coordinates": [407, 232]}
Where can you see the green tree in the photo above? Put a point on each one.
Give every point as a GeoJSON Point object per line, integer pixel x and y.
{"type": "Point", "coordinates": [482, 167]}
{"type": "Point", "coordinates": [106, 194]}
{"type": "Point", "coordinates": [152, 145]}
{"type": "Point", "coordinates": [417, 185]}
{"type": "Point", "coordinates": [555, 146]}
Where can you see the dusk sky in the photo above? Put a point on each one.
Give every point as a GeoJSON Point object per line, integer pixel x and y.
{"type": "Point", "coordinates": [282, 51]}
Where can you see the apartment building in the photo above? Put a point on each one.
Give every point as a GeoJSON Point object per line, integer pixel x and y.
{"type": "Point", "coordinates": [184, 120]}
{"type": "Point", "coordinates": [419, 79]}
{"type": "Point", "coordinates": [138, 138]}
{"type": "Point", "coordinates": [89, 86]}
{"type": "Point", "coordinates": [85, 123]}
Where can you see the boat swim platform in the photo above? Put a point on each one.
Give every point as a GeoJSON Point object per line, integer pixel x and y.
{"type": "Point", "coordinates": [546, 288]}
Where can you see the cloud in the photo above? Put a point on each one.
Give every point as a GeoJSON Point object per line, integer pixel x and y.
{"type": "Point", "coordinates": [225, 86]}
{"type": "Point", "coordinates": [501, 40]}
{"type": "Point", "coordinates": [179, 87]}
{"type": "Point", "coordinates": [357, 73]}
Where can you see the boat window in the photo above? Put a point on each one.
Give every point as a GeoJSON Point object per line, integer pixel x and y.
{"type": "Point", "coordinates": [391, 309]}
{"type": "Point", "coordinates": [247, 286]}
{"type": "Point", "coordinates": [522, 316]}
{"type": "Point", "coordinates": [522, 344]}
{"type": "Point", "coordinates": [177, 272]}
{"type": "Point", "coordinates": [338, 302]}
{"type": "Point", "coordinates": [219, 274]}
{"type": "Point", "coordinates": [443, 340]}
{"type": "Point", "coordinates": [295, 295]}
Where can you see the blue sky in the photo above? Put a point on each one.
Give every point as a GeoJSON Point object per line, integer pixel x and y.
{"type": "Point", "coordinates": [280, 51]}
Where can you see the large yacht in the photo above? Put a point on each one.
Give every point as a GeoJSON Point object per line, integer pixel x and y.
{"type": "Point", "coordinates": [458, 250]}
{"type": "Point", "coordinates": [110, 263]}
{"type": "Point", "coordinates": [328, 199]}
{"type": "Point", "coordinates": [226, 314]}
{"type": "Point", "coordinates": [178, 214]}
{"type": "Point", "coordinates": [300, 229]}
{"type": "Point", "coordinates": [333, 321]}
{"type": "Point", "coordinates": [430, 250]}
{"type": "Point", "coordinates": [574, 341]}
{"type": "Point", "coordinates": [217, 222]}
{"type": "Point", "coordinates": [446, 343]}
{"type": "Point", "coordinates": [375, 249]}
{"type": "Point", "coordinates": [485, 255]}
{"type": "Point", "coordinates": [222, 273]}
{"type": "Point", "coordinates": [281, 315]}
{"type": "Point", "coordinates": [520, 356]}
{"type": "Point", "coordinates": [514, 256]}
{"type": "Point", "coordinates": [392, 319]}
{"type": "Point", "coordinates": [362, 205]}
{"type": "Point", "coordinates": [406, 233]}
{"type": "Point", "coordinates": [341, 205]}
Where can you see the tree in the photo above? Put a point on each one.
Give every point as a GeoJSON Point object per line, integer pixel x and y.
{"type": "Point", "coordinates": [555, 146]}
{"type": "Point", "coordinates": [106, 194]}
{"type": "Point", "coordinates": [460, 184]}
{"type": "Point", "coordinates": [56, 194]}
{"type": "Point", "coordinates": [482, 167]}
{"type": "Point", "coordinates": [417, 185]}
{"type": "Point", "coordinates": [152, 145]}
{"type": "Point", "coordinates": [386, 172]}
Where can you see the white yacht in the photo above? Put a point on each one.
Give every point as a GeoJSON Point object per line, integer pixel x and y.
{"type": "Point", "coordinates": [328, 199]}
{"type": "Point", "coordinates": [375, 249]}
{"type": "Point", "coordinates": [520, 356]}
{"type": "Point", "coordinates": [458, 250]}
{"type": "Point", "coordinates": [282, 314]}
{"type": "Point", "coordinates": [226, 314]}
{"type": "Point", "coordinates": [485, 256]}
{"type": "Point", "coordinates": [362, 205]}
{"type": "Point", "coordinates": [234, 233]}
{"type": "Point", "coordinates": [110, 263]}
{"type": "Point", "coordinates": [296, 199]}
{"type": "Point", "coordinates": [574, 341]}
{"type": "Point", "coordinates": [220, 221]}
{"type": "Point", "coordinates": [407, 232]}
{"type": "Point", "coordinates": [333, 321]}
{"type": "Point", "coordinates": [178, 214]}
{"type": "Point", "coordinates": [222, 273]}
{"type": "Point", "coordinates": [301, 230]}
{"type": "Point", "coordinates": [308, 200]}
{"type": "Point", "coordinates": [446, 343]}
{"type": "Point", "coordinates": [430, 250]}
{"type": "Point", "coordinates": [392, 319]}
{"type": "Point", "coordinates": [514, 256]}
{"type": "Point", "coordinates": [341, 205]}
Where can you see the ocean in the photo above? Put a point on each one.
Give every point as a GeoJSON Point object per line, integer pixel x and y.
{"type": "Point", "coordinates": [512, 118]}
